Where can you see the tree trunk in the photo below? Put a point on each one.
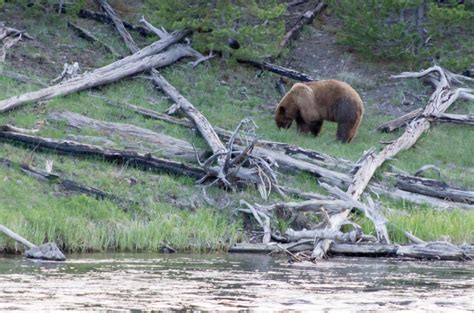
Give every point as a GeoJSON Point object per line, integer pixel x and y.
{"type": "Point", "coordinates": [169, 146]}
{"type": "Point", "coordinates": [280, 70]}
{"type": "Point", "coordinates": [306, 18]}
{"type": "Point", "coordinates": [136, 63]}
{"type": "Point", "coordinates": [144, 161]}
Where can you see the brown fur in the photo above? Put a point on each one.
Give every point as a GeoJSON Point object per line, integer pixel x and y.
{"type": "Point", "coordinates": [309, 104]}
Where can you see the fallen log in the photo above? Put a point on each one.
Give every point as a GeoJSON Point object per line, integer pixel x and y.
{"type": "Point", "coordinates": [399, 122]}
{"type": "Point", "coordinates": [433, 188]}
{"type": "Point", "coordinates": [139, 62]}
{"type": "Point", "coordinates": [435, 203]}
{"type": "Point", "coordinates": [336, 236]}
{"type": "Point", "coordinates": [306, 155]}
{"type": "Point", "coordinates": [168, 146]}
{"type": "Point", "coordinates": [295, 3]}
{"type": "Point", "coordinates": [229, 162]}
{"type": "Point", "coordinates": [452, 118]}
{"type": "Point", "coordinates": [140, 160]}
{"type": "Point", "coordinates": [119, 25]}
{"type": "Point", "coordinates": [280, 70]}
{"type": "Point", "coordinates": [199, 120]}
{"type": "Point", "coordinates": [48, 251]}
{"type": "Point", "coordinates": [306, 18]}
{"type": "Point", "coordinates": [10, 31]}
{"type": "Point", "coordinates": [85, 34]}
{"type": "Point", "coordinates": [431, 251]}
{"type": "Point", "coordinates": [441, 99]}
{"type": "Point", "coordinates": [330, 206]}
{"type": "Point", "coordinates": [104, 18]}
{"type": "Point", "coordinates": [370, 210]}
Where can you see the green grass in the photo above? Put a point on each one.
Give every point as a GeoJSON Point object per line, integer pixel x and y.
{"type": "Point", "coordinates": [225, 93]}
{"type": "Point", "coordinates": [456, 226]}
{"type": "Point", "coordinates": [79, 223]}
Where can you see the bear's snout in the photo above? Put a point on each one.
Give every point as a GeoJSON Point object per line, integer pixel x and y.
{"type": "Point", "coordinates": [284, 124]}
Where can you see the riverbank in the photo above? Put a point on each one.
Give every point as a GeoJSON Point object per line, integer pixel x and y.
{"type": "Point", "coordinates": [172, 210]}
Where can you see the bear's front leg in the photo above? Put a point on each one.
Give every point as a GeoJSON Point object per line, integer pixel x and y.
{"type": "Point", "coordinates": [316, 127]}
{"type": "Point", "coordinates": [301, 125]}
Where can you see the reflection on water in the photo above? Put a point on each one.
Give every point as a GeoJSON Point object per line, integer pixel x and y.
{"type": "Point", "coordinates": [224, 282]}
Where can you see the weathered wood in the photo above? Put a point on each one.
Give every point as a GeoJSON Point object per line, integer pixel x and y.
{"type": "Point", "coordinates": [10, 31]}
{"type": "Point", "coordinates": [330, 206]}
{"type": "Point", "coordinates": [199, 120]}
{"type": "Point", "coordinates": [223, 171]}
{"type": "Point", "coordinates": [16, 237]}
{"type": "Point", "coordinates": [307, 156]}
{"type": "Point", "coordinates": [136, 63]}
{"type": "Point", "coordinates": [132, 158]}
{"type": "Point", "coordinates": [433, 188]}
{"type": "Point", "coordinates": [168, 146]}
{"type": "Point", "coordinates": [295, 3]}
{"type": "Point", "coordinates": [87, 35]}
{"type": "Point", "coordinates": [401, 121]}
{"type": "Point", "coordinates": [280, 70]}
{"type": "Point", "coordinates": [439, 102]}
{"type": "Point", "coordinates": [306, 18]}
{"type": "Point", "coordinates": [364, 250]}
{"type": "Point", "coordinates": [104, 18]}
{"type": "Point", "coordinates": [317, 234]}
{"type": "Point", "coordinates": [370, 210]}
{"type": "Point", "coordinates": [269, 147]}
{"type": "Point", "coordinates": [119, 25]}
{"type": "Point", "coordinates": [452, 118]}
{"type": "Point", "coordinates": [262, 218]}
{"type": "Point", "coordinates": [432, 251]}
{"type": "Point", "coordinates": [48, 251]}
{"type": "Point", "coordinates": [435, 203]}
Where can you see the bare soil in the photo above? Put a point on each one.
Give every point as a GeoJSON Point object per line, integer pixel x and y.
{"type": "Point", "coordinates": [317, 53]}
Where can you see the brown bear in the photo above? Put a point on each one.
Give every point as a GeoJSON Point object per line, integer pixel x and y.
{"type": "Point", "coordinates": [309, 104]}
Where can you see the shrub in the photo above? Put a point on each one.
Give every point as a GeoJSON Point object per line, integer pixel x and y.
{"type": "Point", "coordinates": [254, 24]}
{"type": "Point", "coordinates": [393, 29]}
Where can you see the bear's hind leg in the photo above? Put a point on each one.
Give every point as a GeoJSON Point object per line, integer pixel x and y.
{"type": "Point", "coordinates": [346, 131]}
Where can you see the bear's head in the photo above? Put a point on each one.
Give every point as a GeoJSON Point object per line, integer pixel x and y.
{"type": "Point", "coordinates": [288, 108]}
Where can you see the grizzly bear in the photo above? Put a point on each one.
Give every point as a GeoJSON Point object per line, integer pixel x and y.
{"type": "Point", "coordinates": [311, 103]}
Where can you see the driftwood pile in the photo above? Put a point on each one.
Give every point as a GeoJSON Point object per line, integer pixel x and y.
{"type": "Point", "coordinates": [237, 159]}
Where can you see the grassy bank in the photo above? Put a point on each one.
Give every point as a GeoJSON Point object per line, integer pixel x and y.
{"type": "Point", "coordinates": [172, 210]}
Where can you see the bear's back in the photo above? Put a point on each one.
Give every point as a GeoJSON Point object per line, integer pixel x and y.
{"type": "Point", "coordinates": [329, 94]}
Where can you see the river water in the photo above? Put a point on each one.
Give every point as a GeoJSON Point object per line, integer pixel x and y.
{"type": "Point", "coordinates": [146, 282]}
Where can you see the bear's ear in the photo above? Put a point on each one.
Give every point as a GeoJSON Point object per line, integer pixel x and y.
{"type": "Point", "coordinates": [281, 110]}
